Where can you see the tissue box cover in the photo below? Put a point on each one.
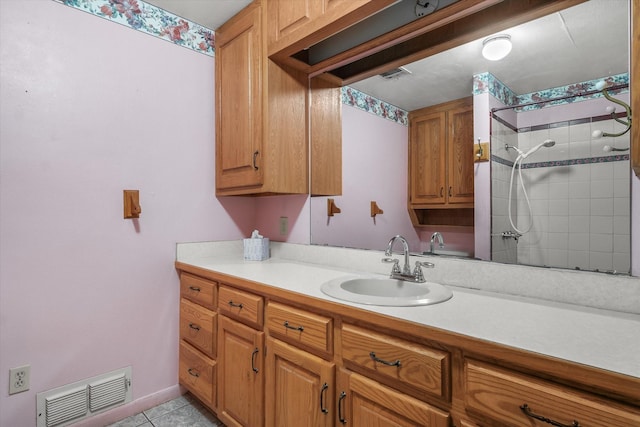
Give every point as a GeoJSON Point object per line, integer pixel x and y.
{"type": "Point", "coordinates": [256, 249]}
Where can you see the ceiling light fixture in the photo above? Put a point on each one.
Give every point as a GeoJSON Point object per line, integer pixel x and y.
{"type": "Point", "coordinates": [497, 47]}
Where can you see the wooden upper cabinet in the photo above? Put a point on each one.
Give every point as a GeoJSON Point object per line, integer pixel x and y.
{"type": "Point", "coordinates": [441, 155]}
{"type": "Point", "coordinates": [427, 158]}
{"type": "Point", "coordinates": [460, 159]}
{"type": "Point", "coordinates": [261, 113]}
{"type": "Point", "coordinates": [326, 137]}
{"type": "Point", "coordinates": [296, 24]}
{"type": "Point", "coordinates": [239, 101]}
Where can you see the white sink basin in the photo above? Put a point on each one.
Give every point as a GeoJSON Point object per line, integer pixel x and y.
{"type": "Point", "coordinates": [381, 290]}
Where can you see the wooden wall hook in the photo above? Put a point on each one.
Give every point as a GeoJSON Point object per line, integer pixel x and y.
{"type": "Point", "coordinates": [375, 210]}
{"type": "Point", "coordinates": [332, 208]}
{"type": "Point", "coordinates": [132, 207]}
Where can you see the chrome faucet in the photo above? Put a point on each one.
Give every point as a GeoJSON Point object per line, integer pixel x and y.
{"type": "Point", "coordinates": [435, 236]}
{"type": "Point", "coordinates": [405, 273]}
{"type": "Point", "coordinates": [405, 247]}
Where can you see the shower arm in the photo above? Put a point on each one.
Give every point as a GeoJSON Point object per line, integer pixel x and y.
{"type": "Point", "coordinates": [627, 123]}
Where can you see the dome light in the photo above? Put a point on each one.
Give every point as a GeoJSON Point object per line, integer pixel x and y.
{"type": "Point", "coordinates": [497, 47]}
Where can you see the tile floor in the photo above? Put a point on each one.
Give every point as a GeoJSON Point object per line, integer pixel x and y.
{"type": "Point", "coordinates": [184, 411]}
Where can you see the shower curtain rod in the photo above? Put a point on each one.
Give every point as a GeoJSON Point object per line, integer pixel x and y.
{"type": "Point", "coordinates": [591, 92]}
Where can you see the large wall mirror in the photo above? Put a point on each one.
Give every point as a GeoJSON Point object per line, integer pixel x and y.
{"type": "Point", "coordinates": [576, 211]}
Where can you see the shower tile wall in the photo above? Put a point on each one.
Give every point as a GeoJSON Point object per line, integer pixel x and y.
{"type": "Point", "coordinates": [579, 197]}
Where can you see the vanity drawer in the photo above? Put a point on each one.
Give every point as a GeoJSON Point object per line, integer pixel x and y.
{"type": "Point", "coordinates": [198, 290]}
{"type": "Point", "coordinates": [198, 327]}
{"type": "Point", "coordinates": [300, 327]}
{"type": "Point", "coordinates": [426, 369]}
{"type": "Point", "coordinates": [499, 394]}
{"type": "Point", "coordinates": [198, 374]}
{"type": "Point", "coordinates": [243, 306]}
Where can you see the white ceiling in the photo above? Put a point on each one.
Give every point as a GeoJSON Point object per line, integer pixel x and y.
{"type": "Point", "coordinates": [582, 43]}
{"type": "Point", "coordinates": [585, 42]}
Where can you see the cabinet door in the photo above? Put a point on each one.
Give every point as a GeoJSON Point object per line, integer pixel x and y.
{"type": "Point", "coordinates": [427, 159]}
{"type": "Point", "coordinates": [240, 374]}
{"type": "Point", "coordinates": [239, 101]}
{"type": "Point", "coordinates": [286, 16]}
{"type": "Point", "coordinates": [460, 155]}
{"type": "Point", "coordinates": [364, 403]}
{"type": "Point", "coordinates": [300, 387]}
{"type": "Point", "coordinates": [297, 24]}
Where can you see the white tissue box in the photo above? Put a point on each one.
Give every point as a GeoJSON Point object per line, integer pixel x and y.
{"type": "Point", "coordinates": [256, 249]}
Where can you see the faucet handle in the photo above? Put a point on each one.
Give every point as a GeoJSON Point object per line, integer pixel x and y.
{"type": "Point", "coordinates": [396, 264]}
{"type": "Point", "coordinates": [417, 272]}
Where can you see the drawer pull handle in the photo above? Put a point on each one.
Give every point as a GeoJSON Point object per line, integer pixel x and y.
{"type": "Point", "coordinates": [194, 326]}
{"type": "Point", "coordinates": [194, 288]}
{"type": "Point", "coordinates": [373, 357]}
{"type": "Point", "coordinates": [253, 360]}
{"type": "Point", "coordinates": [340, 416]}
{"type": "Point", "coordinates": [193, 373]}
{"type": "Point", "coordinates": [233, 304]}
{"type": "Point", "coordinates": [295, 328]}
{"type": "Point", "coordinates": [527, 411]}
{"type": "Point", "coordinates": [450, 188]}
{"type": "Point", "coordinates": [324, 410]}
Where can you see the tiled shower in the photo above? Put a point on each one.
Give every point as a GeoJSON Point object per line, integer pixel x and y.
{"type": "Point", "coordinates": [579, 193]}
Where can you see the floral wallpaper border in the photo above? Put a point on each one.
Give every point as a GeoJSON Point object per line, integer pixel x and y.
{"type": "Point", "coordinates": [151, 20]}
{"type": "Point", "coordinates": [368, 103]}
{"type": "Point", "coordinates": [487, 82]}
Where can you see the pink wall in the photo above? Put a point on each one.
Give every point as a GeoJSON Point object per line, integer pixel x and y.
{"type": "Point", "coordinates": [374, 167]}
{"type": "Point", "coordinates": [295, 208]}
{"type": "Point", "coordinates": [90, 108]}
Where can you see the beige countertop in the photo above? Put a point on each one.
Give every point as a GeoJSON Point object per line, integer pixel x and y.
{"type": "Point", "coordinates": [595, 337]}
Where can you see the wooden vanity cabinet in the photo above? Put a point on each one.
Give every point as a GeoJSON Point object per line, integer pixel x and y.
{"type": "Point", "coordinates": [363, 402]}
{"type": "Point", "coordinates": [510, 398]}
{"type": "Point", "coordinates": [241, 357]}
{"type": "Point", "coordinates": [198, 335]}
{"type": "Point", "coordinates": [240, 374]}
{"type": "Point", "coordinates": [415, 368]}
{"type": "Point", "coordinates": [441, 187]}
{"type": "Point", "coordinates": [261, 113]}
{"type": "Point", "coordinates": [300, 387]}
{"type": "Point", "coordinates": [285, 359]}
{"type": "Point", "coordinates": [300, 372]}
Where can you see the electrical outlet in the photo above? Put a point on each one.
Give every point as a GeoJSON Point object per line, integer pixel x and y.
{"type": "Point", "coordinates": [284, 225]}
{"type": "Point", "coordinates": [19, 379]}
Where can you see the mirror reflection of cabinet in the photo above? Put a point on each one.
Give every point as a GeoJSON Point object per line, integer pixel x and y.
{"type": "Point", "coordinates": [441, 188]}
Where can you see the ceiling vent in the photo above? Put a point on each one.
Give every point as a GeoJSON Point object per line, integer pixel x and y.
{"type": "Point", "coordinates": [396, 73]}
